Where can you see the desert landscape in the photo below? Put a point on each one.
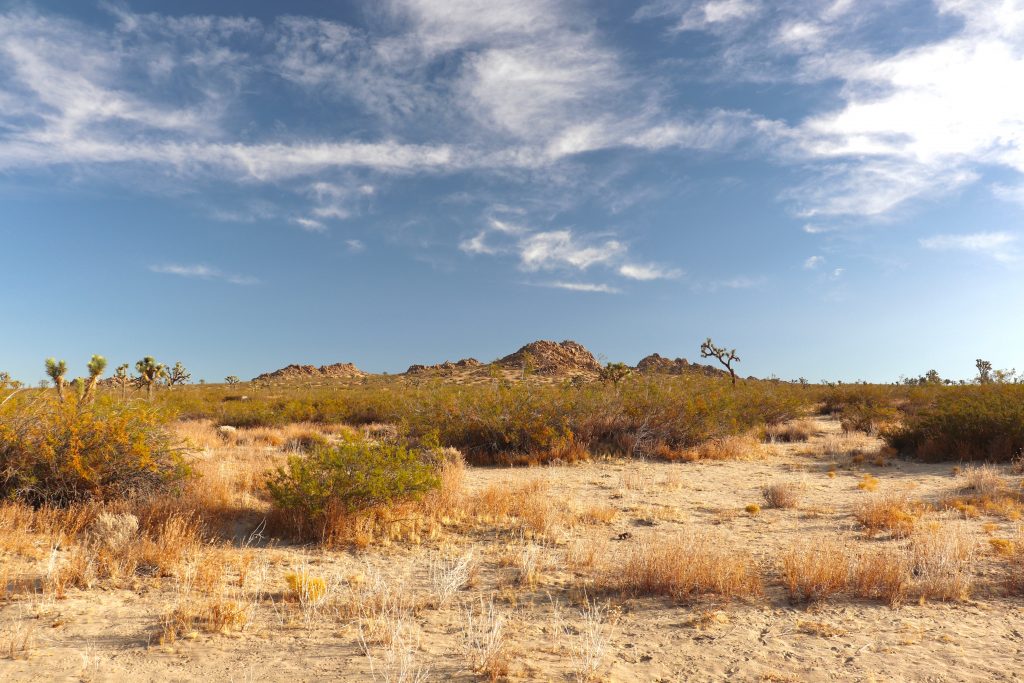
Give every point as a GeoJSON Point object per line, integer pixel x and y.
{"type": "Point", "coordinates": [541, 517]}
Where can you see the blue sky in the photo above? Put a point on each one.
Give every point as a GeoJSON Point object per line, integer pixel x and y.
{"type": "Point", "coordinates": [835, 188]}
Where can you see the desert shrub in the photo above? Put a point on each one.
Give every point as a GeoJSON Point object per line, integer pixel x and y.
{"type": "Point", "coordinates": [60, 452]}
{"type": "Point", "coordinates": [983, 422]}
{"type": "Point", "coordinates": [518, 422]}
{"type": "Point", "coordinates": [783, 494]}
{"type": "Point", "coordinates": [350, 476]}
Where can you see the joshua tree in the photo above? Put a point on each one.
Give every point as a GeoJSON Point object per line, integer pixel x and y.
{"type": "Point", "coordinates": [56, 370]}
{"type": "Point", "coordinates": [122, 379]}
{"type": "Point", "coordinates": [984, 371]}
{"type": "Point", "coordinates": [232, 379]}
{"type": "Point", "coordinates": [726, 358]}
{"type": "Point", "coordinates": [97, 364]}
{"type": "Point", "coordinates": [615, 372]}
{"type": "Point", "coordinates": [178, 375]}
{"type": "Point", "coordinates": [149, 373]}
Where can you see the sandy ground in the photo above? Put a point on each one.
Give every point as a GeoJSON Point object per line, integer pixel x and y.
{"type": "Point", "coordinates": [114, 635]}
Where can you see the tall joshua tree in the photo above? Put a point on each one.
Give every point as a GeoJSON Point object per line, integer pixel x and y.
{"type": "Point", "coordinates": [122, 379]}
{"type": "Point", "coordinates": [149, 373]}
{"type": "Point", "coordinates": [97, 364]}
{"type": "Point", "coordinates": [178, 375]}
{"type": "Point", "coordinates": [725, 357]}
{"type": "Point", "coordinates": [56, 370]}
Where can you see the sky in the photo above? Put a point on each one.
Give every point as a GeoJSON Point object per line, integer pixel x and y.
{"type": "Point", "coordinates": [834, 188]}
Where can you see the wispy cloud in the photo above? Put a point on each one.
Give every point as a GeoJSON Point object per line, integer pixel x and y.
{"type": "Point", "coordinates": [813, 262]}
{"type": "Point", "coordinates": [1001, 246]}
{"type": "Point", "coordinates": [560, 248]}
{"type": "Point", "coordinates": [355, 246]}
{"type": "Point", "coordinates": [584, 287]}
{"type": "Point", "coordinates": [737, 282]}
{"type": "Point", "coordinates": [309, 224]}
{"type": "Point", "coordinates": [649, 271]}
{"type": "Point", "coordinates": [202, 272]}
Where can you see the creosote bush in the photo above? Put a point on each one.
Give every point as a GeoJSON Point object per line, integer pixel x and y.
{"type": "Point", "coordinates": [984, 423]}
{"type": "Point", "coordinates": [59, 452]}
{"type": "Point", "coordinates": [332, 481]}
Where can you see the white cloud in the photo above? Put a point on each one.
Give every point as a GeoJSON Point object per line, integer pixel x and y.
{"type": "Point", "coordinates": [703, 15]}
{"type": "Point", "coordinates": [650, 271]}
{"type": "Point", "coordinates": [309, 225]}
{"type": "Point", "coordinates": [477, 244]}
{"type": "Point", "coordinates": [560, 248]}
{"type": "Point", "coordinates": [813, 262]}
{"type": "Point", "coordinates": [738, 282]}
{"type": "Point", "coordinates": [1000, 246]}
{"type": "Point", "coordinates": [202, 272]}
{"type": "Point", "coordinates": [1009, 193]}
{"type": "Point", "coordinates": [584, 287]}
{"type": "Point", "coordinates": [920, 122]}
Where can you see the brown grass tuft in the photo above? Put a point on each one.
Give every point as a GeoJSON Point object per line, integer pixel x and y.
{"type": "Point", "coordinates": [691, 563]}
{"type": "Point", "coordinates": [783, 494]}
{"type": "Point", "coordinates": [815, 571]}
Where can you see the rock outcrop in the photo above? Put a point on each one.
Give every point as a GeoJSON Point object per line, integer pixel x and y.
{"type": "Point", "coordinates": [552, 358]}
{"type": "Point", "coordinates": [445, 366]}
{"type": "Point", "coordinates": [306, 372]}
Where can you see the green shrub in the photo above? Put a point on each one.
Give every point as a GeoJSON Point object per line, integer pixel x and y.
{"type": "Point", "coordinates": [348, 477]}
{"type": "Point", "coordinates": [980, 422]}
{"type": "Point", "coordinates": [58, 452]}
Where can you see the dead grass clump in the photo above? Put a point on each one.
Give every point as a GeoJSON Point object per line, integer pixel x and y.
{"type": "Point", "coordinates": [585, 553]}
{"type": "Point", "coordinates": [484, 641]}
{"type": "Point", "coordinates": [942, 556]}
{"type": "Point", "coordinates": [868, 483]}
{"type": "Point", "coordinates": [985, 481]}
{"type": "Point", "coordinates": [789, 432]}
{"type": "Point", "coordinates": [784, 494]}
{"type": "Point", "coordinates": [691, 563]}
{"type": "Point", "coordinates": [165, 549]}
{"type": "Point", "coordinates": [883, 574]}
{"type": "Point", "coordinates": [814, 572]}
{"type": "Point", "coordinates": [528, 507]}
{"type": "Point", "coordinates": [894, 513]}
{"type": "Point", "coordinates": [590, 644]}
{"type": "Point", "coordinates": [727, 448]}
{"type": "Point", "coordinates": [18, 639]}
{"type": "Point", "coordinates": [1015, 574]}
{"type": "Point", "coordinates": [449, 575]}
{"type": "Point", "coordinates": [599, 514]}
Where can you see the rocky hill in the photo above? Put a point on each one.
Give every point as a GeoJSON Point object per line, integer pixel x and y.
{"type": "Point", "coordinates": [306, 372]}
{"type": "Point", "coordinates": [552, 358]}
{"type": "Point", "coordinates": [658, 364]}
{"type": "Point", "coordinates": [445, 366]}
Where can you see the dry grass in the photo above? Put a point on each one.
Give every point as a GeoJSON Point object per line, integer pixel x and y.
{"type": "Point", "coordinates": [783, 494]}
{"type": "Point", "coordinates": [790, 432]}
{"type": "Point", "coordinates": [449, 575]}
{"type": "Point", "coordinates": [484, 641]}
{"type": "Point", "coordinates": [942, 556]}
{"type": "Point", "coordinates": [691, 563]}
{"type": "Point", "coordinates": [883, 574]}
{"type": "Point", "coordinates": [868, 483]}
{"type": "Point", "coordinates": [815, 571]}
{"type": "Point", "coordinates": [590, 644]}
{"type": "Point", "coordinates": [727, 448]}
{"type": "Point", "coordinates": [527, 508]}
{"type": "Point", "coordinates": [894, 514]}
